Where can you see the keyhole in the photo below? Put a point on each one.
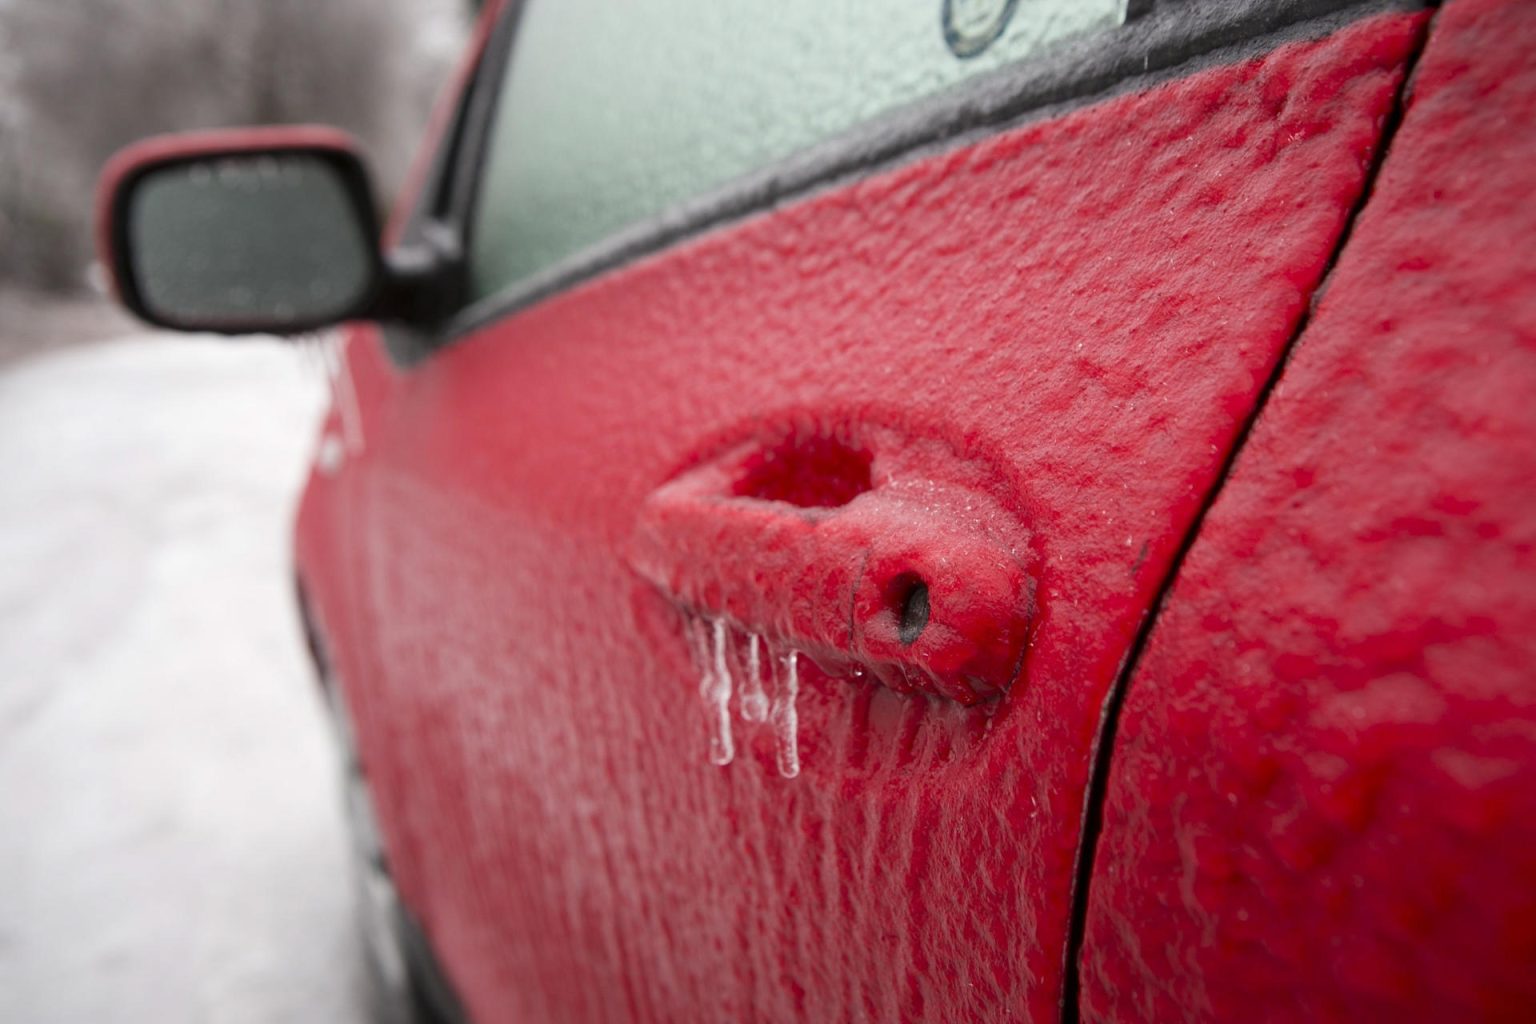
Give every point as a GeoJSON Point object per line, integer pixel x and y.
{"type": "Point", "coordinates": [914, 614]}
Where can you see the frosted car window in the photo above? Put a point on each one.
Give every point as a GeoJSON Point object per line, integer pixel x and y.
{"type": "Point", "coordinates": [615, 110]}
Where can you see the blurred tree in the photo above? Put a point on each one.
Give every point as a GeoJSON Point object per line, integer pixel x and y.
{"type": "Point", "coordinates": [79, 79]}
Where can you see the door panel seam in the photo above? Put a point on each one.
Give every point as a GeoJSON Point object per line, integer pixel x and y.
{"type": "Point", "coordinates": [1102, 756]}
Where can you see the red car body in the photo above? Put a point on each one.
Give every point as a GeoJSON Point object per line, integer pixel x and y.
{"type": "Point", "coordinates": [1075, 565]}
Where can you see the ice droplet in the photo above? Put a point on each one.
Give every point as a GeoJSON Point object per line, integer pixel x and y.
{"type": "Point", "coordinates": [754, 701]}
{"type": "Point", "coordinates": [717, 697]}
{"type": "Point", "coordinates": [786, 720]}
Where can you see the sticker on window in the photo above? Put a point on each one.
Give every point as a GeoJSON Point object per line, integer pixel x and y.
{"type": "Point", "coordinates": [971, 26]}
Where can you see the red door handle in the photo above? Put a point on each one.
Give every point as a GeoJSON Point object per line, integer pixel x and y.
{"type": "Point", "coordinates": [873, 554]}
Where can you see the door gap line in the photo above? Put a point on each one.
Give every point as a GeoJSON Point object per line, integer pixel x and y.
{"type": "Point", "coordinates": [1102, 754]}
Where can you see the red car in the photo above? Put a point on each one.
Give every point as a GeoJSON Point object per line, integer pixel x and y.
{"type": "Point", "coordinates": [966, 510]}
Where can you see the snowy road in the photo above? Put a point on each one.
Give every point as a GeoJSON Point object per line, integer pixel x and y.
{"type": "Point", "coordinates": [170, 847]}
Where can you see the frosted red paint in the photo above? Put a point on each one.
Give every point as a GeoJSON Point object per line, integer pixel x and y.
{"type": "Point", "coordinates": [1088, 305]}
{"type": "Point", "coordinates": [1323, 803]}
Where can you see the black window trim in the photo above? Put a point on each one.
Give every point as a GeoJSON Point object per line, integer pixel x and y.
{"type": "Point", "coordinates": [442, 215]}
{"type": "Point", "coordinates": [1159, 41]}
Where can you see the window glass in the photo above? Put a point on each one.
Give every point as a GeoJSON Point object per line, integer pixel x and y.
{"type": "Point", "coordinates": [615, 110]}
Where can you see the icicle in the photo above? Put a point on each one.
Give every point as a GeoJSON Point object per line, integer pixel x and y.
{"type": "Point", "coordinates": [786, 721]}
{"type": "Point", "coordinates": [333, 355]}
{"type": "Point", "coordinates": [754, 701]}
{"type": "Point", "coordinates": [722, 749]}
{"type": "Point", "coordinates": [714, 647]}
{"type": "Point", "coordinates": [715, 696]}
{"type": "Point", "coordinates": [330, 455]}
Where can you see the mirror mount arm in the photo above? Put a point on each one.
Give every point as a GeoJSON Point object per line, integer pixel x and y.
{"type": "Point", "coordinates": [424, 281]}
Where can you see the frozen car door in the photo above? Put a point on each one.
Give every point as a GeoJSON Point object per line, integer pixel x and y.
{"type": "Point", "coordinates": [1321, 805]}
{"type": "Point", "coordinates": [748, 563]}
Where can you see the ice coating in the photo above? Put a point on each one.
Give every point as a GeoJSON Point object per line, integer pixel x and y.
{"type": "Point", "coordinates": [715, 645]}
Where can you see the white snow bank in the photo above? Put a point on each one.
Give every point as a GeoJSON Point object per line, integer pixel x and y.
{"type": "Point", "coordinates": [170, 842]}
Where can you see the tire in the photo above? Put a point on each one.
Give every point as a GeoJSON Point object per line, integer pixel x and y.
{"type": "Point", "coordinates": [405, 985]}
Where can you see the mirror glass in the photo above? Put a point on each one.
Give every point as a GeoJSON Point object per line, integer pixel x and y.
{"type": "Point", "coordinates": [265, 241]}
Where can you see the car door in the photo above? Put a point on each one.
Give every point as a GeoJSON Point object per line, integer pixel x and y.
{"type": "Point", "coordinates": [1321, 804]}
{"type": "Point", "coordinates": [742, 573]}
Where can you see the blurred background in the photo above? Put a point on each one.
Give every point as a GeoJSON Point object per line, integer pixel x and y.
{"type": "Point", "coordinates": [170, 838]}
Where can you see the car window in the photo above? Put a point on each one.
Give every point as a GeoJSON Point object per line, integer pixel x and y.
{"type": "Point", "coordinates": [614, 111]}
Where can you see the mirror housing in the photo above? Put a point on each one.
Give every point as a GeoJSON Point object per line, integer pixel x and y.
{"type": "Point", "coordinates": [269, 230]}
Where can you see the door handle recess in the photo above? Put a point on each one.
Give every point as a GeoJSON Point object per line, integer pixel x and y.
{"type": "Point", "coordinates": [872, 554]}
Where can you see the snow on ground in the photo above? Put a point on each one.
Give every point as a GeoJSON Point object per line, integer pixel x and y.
{"type": "Point", "coordinates": [170, 838]}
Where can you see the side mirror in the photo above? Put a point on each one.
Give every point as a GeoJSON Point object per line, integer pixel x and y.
{"type": "Point", "coordinates": [254, 230]}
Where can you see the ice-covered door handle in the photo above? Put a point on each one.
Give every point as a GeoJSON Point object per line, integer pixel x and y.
{"type": "Point", "coordinates": [873, 553]}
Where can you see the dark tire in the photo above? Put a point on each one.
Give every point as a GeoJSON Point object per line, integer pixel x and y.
{"type": "Point", "coordinates": [405, 985]}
